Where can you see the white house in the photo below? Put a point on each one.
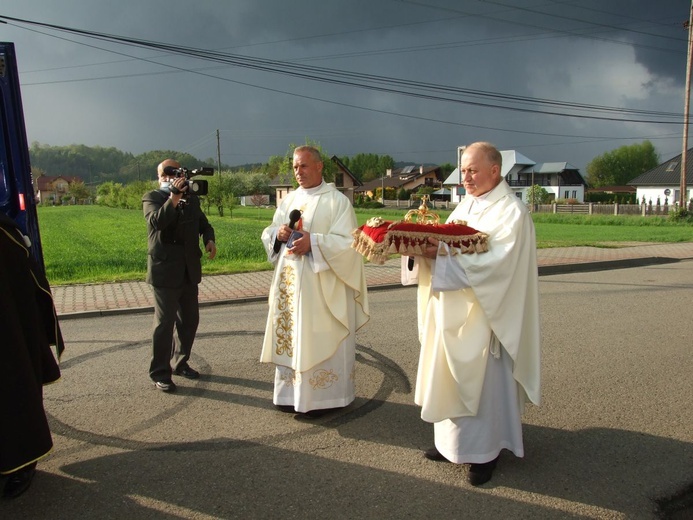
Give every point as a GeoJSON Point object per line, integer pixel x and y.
{"type": "Point", "coordinates": [663, 182]}
{"type": "Point", "coordinates": [559, 179]}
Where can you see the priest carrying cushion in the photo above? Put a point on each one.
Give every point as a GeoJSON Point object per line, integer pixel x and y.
{"type": "Point", "coordinates": [478, 317]}
{"type": "Point", "coordinates": [318, 297]}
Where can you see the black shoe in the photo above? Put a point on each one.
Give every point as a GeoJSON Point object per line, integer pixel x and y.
{"type": "Point", "coordinates": [434, 454]}
{"type": "Point", "coordinates": [165, 385]}
{"type": "Point", "coordinates": [315, 414]}
{"type": "Point", "coordinates": [286, 408]}
{"type": "Point", "coordinates": [187, 372]}
{"type": "Point", "coordinates": [481, 473]}
{"type": "Point", "coordinates": [19, 481]}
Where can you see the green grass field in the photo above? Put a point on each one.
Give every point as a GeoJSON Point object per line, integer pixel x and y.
{"type": "Point", "coordinates": [94, 244]}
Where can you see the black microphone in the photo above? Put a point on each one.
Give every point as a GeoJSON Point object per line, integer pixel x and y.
{"type": "Point", "coordinates": [294, 216]}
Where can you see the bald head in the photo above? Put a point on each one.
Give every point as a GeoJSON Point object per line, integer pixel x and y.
{"type": "Point", "coordinates": [164, 164]}
{"type": "Point", "coordinates": [480, 168]}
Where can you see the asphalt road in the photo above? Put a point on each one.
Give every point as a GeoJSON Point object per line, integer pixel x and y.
{"type": "Point", "coordinates": [613, 437]}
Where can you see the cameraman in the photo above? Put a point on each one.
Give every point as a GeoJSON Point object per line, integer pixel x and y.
{"type": "Point", "coordinates": [175, 223]}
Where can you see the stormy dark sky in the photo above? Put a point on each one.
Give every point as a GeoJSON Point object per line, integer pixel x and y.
{"type": "Point", "coordinates": [556, 80]}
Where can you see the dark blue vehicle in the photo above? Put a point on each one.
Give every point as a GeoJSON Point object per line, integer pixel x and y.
{"type": "Point", "coordinates": [17, 199]}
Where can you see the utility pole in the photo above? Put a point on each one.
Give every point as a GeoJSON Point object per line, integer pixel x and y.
{"type": "Point", "coordinates": [684, 153]}
{"type": "Point", "coordinates": [533, 191]}
{"type": "Point", "coordinates": [219, 151]}
{"type": "Point", "coordinates": [460, 152]}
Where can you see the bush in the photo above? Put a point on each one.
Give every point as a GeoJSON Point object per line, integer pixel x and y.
{"type": "Point", "coordinates": [611, 198]}
{"type": "Point", "coordinates": [115, 195]}
{"type": "Point", "coordinates": [369, 205]}
{"type": "Point", "coordinates": [681, 215]}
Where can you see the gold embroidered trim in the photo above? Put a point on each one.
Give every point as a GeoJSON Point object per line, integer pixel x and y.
{"type": "Point", "coordinates": [323, 379]}
{"type": "Point", "coordinates": [285, 311]}
{"type": "Point", "coordinates": [290, 377]}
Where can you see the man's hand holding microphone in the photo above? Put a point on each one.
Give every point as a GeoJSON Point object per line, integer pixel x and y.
{"type": "Point", "coordinates": [299, 243]}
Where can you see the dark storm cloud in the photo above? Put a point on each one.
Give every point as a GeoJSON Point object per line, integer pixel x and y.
{"type": "Point", "coordinates": [656, 30]}
{"type": "Point", "coordinates": [619, 53]}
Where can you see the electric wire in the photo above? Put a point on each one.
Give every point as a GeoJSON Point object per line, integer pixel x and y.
{"type": "Point", "coordinates": [390, 85]}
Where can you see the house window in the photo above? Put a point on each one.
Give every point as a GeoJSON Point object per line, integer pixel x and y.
{"type": "Point", "coordinates": [575, 194]}
{"type": "Point", "coordinates": [565, 196]}
{"type": "Point", "coordinates": [339, 180]}
{"type": "Point", "coordinates": [672, 166]}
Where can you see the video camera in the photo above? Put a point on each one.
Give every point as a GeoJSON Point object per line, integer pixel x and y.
{"type": "Point", "coordinates": [198, 187]}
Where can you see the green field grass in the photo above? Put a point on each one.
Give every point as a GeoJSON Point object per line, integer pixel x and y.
{"type": "Point", "coordinates": [94, 244]}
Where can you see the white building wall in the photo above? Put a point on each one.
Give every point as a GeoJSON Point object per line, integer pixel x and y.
{"type": "Point", "coordinates": [652, 192]}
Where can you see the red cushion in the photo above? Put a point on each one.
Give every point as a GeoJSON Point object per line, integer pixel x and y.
{"type": "Point", "coordinates": [378, 242]}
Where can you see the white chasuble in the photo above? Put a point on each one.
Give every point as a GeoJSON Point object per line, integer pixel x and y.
{"type": "Point", "coordinates": [317, 303]}
{"type": "Point", "coordinates": [459, 329]}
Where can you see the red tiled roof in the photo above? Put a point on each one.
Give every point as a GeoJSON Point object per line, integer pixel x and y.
{"type": "Point", "coordinates": [45, 182]}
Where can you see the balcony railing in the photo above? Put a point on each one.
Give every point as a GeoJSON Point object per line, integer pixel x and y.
{"type": "Point", "coordinates": [538, 182]}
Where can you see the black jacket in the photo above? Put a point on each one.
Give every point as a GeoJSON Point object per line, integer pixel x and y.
{"type": "Point", "coordinates": [174, 239]}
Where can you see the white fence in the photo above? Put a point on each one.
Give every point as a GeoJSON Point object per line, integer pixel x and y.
{"type": "Point", "coordinates": [593, 208]}
{"type": "Point", "coordinates": [590, 208]}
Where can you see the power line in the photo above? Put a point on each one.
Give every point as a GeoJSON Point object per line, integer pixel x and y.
{"type": "Point", "coordinates": [383, 84]}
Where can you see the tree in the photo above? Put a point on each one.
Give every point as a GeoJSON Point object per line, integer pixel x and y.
{"type": "Point", "coordinates": [368, 166]}
{"type": "Point", "coordinates": [96, 164]}
{"type": "Point", "coordinates": [618, 167]}
{"type": "Point", "coordinates": [273, 167]}
{"type": "Point", "coordinates": [218, 187]}
{"type": "Point", "coordinates": [537, 195]}
{"type": "Point", "coordinates": [257, 184]}
{"type": "Point", "coordinates": [78, 191]}
{"type": "Point", "coordinates": [446, 169]}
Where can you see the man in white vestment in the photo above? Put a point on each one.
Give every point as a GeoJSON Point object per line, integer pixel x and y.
{"type": "Point", "coordinates": [479, 324]}
{"type": "Point", "coordinates": [318, 298]}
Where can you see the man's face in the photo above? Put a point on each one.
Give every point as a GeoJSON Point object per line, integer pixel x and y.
{"type": "Point", "coordinates": [307, 170]}
{"type": "Point", "coordinates": [163, 177]}
{"type": "Point", "coordinates": [479, 175]}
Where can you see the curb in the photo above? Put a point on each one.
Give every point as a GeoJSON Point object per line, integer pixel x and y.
{"type": "Point", "coordinates": [546, 270]}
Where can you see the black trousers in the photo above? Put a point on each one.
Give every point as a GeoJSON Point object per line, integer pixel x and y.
{"type": "Point", "coordinates": [174, 309]}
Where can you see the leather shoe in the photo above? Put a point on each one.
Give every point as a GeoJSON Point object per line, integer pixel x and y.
{"type": "Point", "coordinates": [165, 385]}
{"type": "Point", "coordinates": [315, 414]}
{"type": "Point", "coordinates": [435, 455]}
{"type": "Point", "coordinates": [481, 473]}
{"type": "Point", "coordinates": [286, 408]}
{"type": "Point", "coordinates": [187, 372]}
{"type": "Point", "coordinates": [19, 481]}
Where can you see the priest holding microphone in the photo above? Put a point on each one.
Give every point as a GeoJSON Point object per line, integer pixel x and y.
{"type": "Point", "coordinates": [318, 297]}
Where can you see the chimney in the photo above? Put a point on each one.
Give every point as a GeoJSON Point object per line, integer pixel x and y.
{"type": "Point", "coordinates": [421, 169]}
{"type": "Point", "coordinates": [388, 172]}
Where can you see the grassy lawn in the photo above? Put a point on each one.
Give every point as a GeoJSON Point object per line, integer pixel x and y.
{"type": "Point", "coordinates": [93, 244]}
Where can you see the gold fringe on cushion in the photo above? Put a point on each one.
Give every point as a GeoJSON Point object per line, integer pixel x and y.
{"type": "Point", "coordinates": [412, 242]}
{"type": "Point", "coordinates": [373, 251]}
